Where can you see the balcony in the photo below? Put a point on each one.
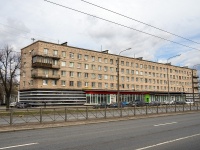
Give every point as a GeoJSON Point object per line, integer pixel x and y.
{"type": "Point", "coordinates": [41, 65]}
{"type": "Point", "coordinates": [195, 76]}
{"type": "Point", "coordinates": [196, 86]}
{"type": "Point", "coordinates": [43, 76]}
{"type": "Point", "coordinates": [46, 55]}
{"type": "Point", "coordinates": [195, 81]}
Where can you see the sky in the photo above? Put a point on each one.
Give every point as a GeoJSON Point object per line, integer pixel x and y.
{"type": "Point", "coordinates": [22, 20]}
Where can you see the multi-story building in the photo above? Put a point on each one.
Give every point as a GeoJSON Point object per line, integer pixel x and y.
{"type": "Point", "coordinates": [62, 74]}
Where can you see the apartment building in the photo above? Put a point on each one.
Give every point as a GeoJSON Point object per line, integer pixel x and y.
{"type": "Point", "coordinates": [61, 74]}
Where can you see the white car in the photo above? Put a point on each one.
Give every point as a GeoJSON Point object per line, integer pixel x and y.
{"type": "Point", "coordinates": [13, 104]}
{"type": "Point", "coordinates": [189, 102]}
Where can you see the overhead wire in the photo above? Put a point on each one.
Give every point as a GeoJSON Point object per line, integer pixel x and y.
{"type": "Point", "coordinates": [140, 21]}
{"type": "Point", "coordinates": [120, 24]}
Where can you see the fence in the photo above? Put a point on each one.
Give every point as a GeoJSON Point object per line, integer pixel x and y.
{"type": "Point", "coordinates": [65, 114]}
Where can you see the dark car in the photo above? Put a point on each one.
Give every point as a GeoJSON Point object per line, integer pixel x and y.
{"type": "Point", "coordinates": [180, 102]}
{"type": "Point", "coordinates": [22, 105]}
{"type": "Point", "coordinates": [102, 105]}
{"type": "Point", "coordinates": [113, 105]}
{"type": "Point", "coordinates": [137, 103]}
{"type": "Point", "coordinates": [154, 103]}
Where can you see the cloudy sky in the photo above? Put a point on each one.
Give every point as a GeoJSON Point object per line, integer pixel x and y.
{"type": "Point", "coordinates": [21, 20]}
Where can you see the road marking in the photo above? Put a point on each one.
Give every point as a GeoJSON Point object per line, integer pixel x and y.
{"type": "Point", "coordinates": [164, 124]}
{"type": "Point", "coordinates": [18, 145]}
{"type": "Point", "coordinates": [168, 142]}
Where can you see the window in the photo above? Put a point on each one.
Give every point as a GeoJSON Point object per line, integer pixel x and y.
{"type": "Point", "coordinates": [105, 68]}
{"type": "Point", "coordinates": [99, 68]}
{"type": "Point", "coordinates": [132, 71]}
{"type": "Point", "coordinates": [79, 56]}
{"type": "Point", "coordinates": [127, 79]}
{"type": "Point", "coordinates": [45, 51]}
{"type": "Point", "coordinates": [111, 85]}
{"type": "Point", "coordinates": [122, 78]}
{"type": "Point", "coordinates": [141, 73]}
{"type": "Point", "coordinates": [71, 83]}
{"type": "Point", "coordinates": [63, 54]}
{"type": "Point", "coordinates": [93, 84]}
{"type": "Point", "coordinates": [93, 75]}
{"type": "Point", "coordinates": [86, 66]}
{"type": "Point", "coordinates": [127, 63]}
{"type": "Point", "coordinates": [86, 75]}
{"type": "Point", "coordinates": [78, 74]}
{"type": "Point", "coordinates": [63, 82]}
{"type": "Point", "coordinates": [105, 76]}
{"type": "Point", "coordinates": [24, 74]}
{"type": "Point", "coordinates": [111, 77]}
{"type": "Point", "coordinates": [55, 62]}
{"type": "Point", "coordinates": [63, 63]}
{"type": "Point", "coordinates": [122, 63]}
{"type": "Point", "coordinates": [100, 76]}
{"type": "Point", "coordinates": [127, 71]}
{"type": "Point", "coordinates": [99, 85]}
{"type": "Point", "coordinates": [136, 72]}
{"type": "Point", "coordinates": [99, 59]}
{"type": "Point", "coordinates": [141, 65]}
{"type": "Point", "coordinates": [55, 52]}
{"type": "Point", "coordinates": [136, 65]}
{"type": "Point", "coordinates": [79, 65]}
{"type": "Point", "coordinates": [31, 82]}
{"type": "Point", "coordinates": [45, 82]}
{"type": "Point", "coordinates": [106, 85]}
{"type": "Point", "coordinates": [86, 57]}
{"type": "Point", "coordinates": [111, 61]}
{"type": "Point", "coordinates": [71, 73]}
{"type": "Point", "coordinates": [24, 83]}
{"type": "Point", "coordinates": [93, 58]}
{"type": "Point", "coordinates": [105, 60]}
{"type": "Point", "coordinates": [132, 64]}
{"type": "Point", "coordinates": [45, 71]}
{"type": "Point", "coordinates": [54, 82]}
{"type": "Point", "coordinates": [93, 67]}
{"type": "Point", "coordinates": [111, 69]}
{"type": "Point", "coordinates": [132, 78]}
{"type": "Point", "coordinates": [71, 64]}
{"type": "Point", "coordinates": [54, 72]}
{"type": "Point", "coordinates": [71, 55]}
{"type": "Point", "coordinates": [63, 73]}
{"type": "Point", "coordinates": [122, 70]}
{"type": "Point", "coordinates": [86, 84]}
{"type": "Point", "coordinates": [79, 84]}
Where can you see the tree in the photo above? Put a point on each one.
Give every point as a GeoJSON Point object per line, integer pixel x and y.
{"type": "Point", "coordinates": [10, 62]}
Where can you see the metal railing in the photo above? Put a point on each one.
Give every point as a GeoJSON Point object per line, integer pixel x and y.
{"type": "Point", "coordinates": [64, 114]}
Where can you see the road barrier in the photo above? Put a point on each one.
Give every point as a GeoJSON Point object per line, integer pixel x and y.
{"type": "Point", "coordinates": [16, 116]}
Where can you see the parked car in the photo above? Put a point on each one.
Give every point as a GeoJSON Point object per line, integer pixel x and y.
{"type": "Point", "coordinates": [137, 103]}
{"type": "Point", "coordinates": [113, 105]}
{"type": "Point", "coordinates": [154, 103]}
{"type": "Point", "coordinates": [22, 105]}
{"type": "Point", "coordinates": [189, 102]}
{"type": "Point", "coordinates": [102, 105]}
{"type": "Point", "coordinates": [180, 102]}
{"type": "Point", "coordinates": [13, 104]}
{"type": "Point", "coordinates": [168, 102]}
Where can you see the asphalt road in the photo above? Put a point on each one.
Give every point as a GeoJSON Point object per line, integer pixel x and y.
{"type": "Point", "coordinates": [170, 132]}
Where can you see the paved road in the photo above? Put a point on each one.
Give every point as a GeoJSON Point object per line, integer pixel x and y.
{"type": "Point", "coordinates": [171, 132]}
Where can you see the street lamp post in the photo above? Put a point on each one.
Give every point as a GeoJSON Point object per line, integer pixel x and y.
{"type": "Point", "coordinates": [118, 97]}
{"type": "Point", "coordinates": [168, 75]}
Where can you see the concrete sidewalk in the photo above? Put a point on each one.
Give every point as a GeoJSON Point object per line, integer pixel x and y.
{"type": "Point", "coordinates": [22, 127]}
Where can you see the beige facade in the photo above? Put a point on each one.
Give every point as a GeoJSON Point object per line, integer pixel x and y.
{"type": "Point", "coordinates": [52, 66]}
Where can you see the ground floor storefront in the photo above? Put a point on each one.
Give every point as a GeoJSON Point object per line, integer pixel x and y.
{"type": "Point", "coordinates": [92, 97]}
{"type": "Point", "coordinates": [96, 97]}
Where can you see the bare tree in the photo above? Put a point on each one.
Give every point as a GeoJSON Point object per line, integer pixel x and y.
{"type": "Point", "coordinates": [10, 62]}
